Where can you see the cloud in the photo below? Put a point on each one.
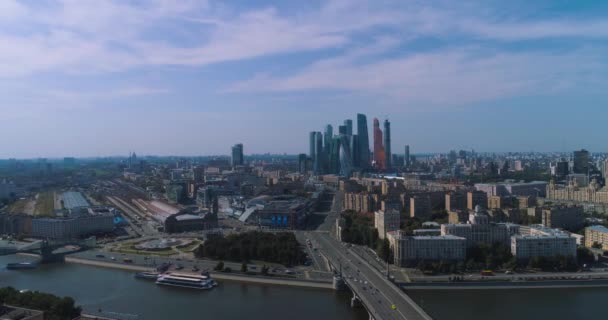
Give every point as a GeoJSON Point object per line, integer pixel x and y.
{"type": "Point", "coordinates": [443, 78]}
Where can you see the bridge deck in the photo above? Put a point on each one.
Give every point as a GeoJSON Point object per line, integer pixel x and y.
{"type": "Point", "coordinates": [382, 298]}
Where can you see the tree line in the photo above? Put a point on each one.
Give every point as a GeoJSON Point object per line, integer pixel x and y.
{"type": "Point", "coordinates": [54, 308]}
{"type": "Point", "coordinates": [280, 248]}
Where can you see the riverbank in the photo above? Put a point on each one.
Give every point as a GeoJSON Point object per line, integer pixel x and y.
{"type": "Point", "coordinates": [506, 285]}
{"type": "Point", "coordinates": [215, 275]}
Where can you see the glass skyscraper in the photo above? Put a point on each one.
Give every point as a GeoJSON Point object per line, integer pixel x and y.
{"type": "Point", "coordinates": [363, 139]}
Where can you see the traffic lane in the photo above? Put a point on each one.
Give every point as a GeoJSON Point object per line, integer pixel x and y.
{"type": "Point", "coordinates": [388, 289]}
{"type": "Point", "coordinates": [362, 271]}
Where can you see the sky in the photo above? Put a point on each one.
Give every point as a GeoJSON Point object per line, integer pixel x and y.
{"type": "Point", "coordinates": [164, 77]}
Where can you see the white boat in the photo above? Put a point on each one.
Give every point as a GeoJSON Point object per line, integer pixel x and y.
{"type": "Point", "coordinates": [184, 280]}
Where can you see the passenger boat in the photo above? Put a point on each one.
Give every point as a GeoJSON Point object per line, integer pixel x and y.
{"type": "Point", "coordinates": [192, 281]}
{"type": "Point", "coordinates": [21, 265]}
{"type": "Point", "coordinates": [147, 275]}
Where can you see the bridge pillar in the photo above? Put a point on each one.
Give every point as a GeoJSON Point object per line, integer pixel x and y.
{"type": "Point", "coordinates": [370, 316]}
{"type": "Point", "coordinates": [354, 300]}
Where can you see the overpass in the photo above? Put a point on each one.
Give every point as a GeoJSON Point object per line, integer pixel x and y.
{"type": "Point", "coordinates": [382, 298]}
{"type": "Point", "coordinates": [46, 249]}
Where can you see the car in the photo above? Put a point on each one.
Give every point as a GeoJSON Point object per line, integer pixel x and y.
{"type": "Point", "coordinates": [100, 256]}
{"type": "Point", "coordinates": [113, 259]}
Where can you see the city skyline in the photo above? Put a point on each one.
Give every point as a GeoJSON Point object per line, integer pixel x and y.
{"type": "Point", "coordinates": [529, 77]}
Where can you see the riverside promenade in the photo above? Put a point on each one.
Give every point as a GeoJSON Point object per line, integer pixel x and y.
{"type": "Point", "coordinates": [216, 275]}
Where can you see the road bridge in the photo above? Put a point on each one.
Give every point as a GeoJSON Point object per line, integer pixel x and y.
{"type": "Point", "coordinates": [382, 298]}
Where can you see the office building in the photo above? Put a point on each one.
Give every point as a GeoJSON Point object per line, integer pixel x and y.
{"type": "Point", "coordinates": [379, 157]}
{"type": "Point", "coordinates": [478, 230]}
{"type": "Point", "coordinates": [581, 162]}
{"type": "Point", "coordinates": [387, 145]}
{"type": "Point", "coordinates": [406, 157]}
{"type": "Point", "coordinates": [73, 225]}
{"type": "Point", "coordinates": [361, 202]}
{"type": "Point", "coordinates": [570, 218]}
{"type": "Point", "coordinates": [512, 189]}
{"type": "Point", "coordinates": [318, 153]}
{"type": "Point", "coordinates": [455, 200]}
{"type": "Point", "coordinates": [363, 139]}
{"type": "Point", "coordinates": [476, 198]}
{"type": "Point", "coordinates": [596, 235]}
{"type": "Point", "coordinates": [420, 207]}
{"type": "Point", "coordinates": [312, 144]}
{"type": "Point", "coordinates": [525, 247]}
{"type": "Point", "coordinates": [573, 192]}
{"type": "Point", "coordinates": [410, 250]}
{"type": "Point", "coordinates": [348, 124]}
{"type": "Point", "coordinates": [386, 221]}
{"type": "Point", "coordinates": [237, 155]}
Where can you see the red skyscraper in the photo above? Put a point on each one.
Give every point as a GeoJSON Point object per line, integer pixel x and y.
{"type": "Point", "coordinates": [379, 156]}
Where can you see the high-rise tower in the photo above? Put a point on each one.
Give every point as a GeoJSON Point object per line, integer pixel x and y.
{"type": "Point", "coordinates": [318, 158]}
{"type": "Point", "coordinates": [378, 147]}
{"type": "Point", "coordinates": [237, 155]}
{"type": "Point", "coordinates": [349, 126]}
{"type": "Point", "coordinates": [388, 157]}
{"type": "Point", "coordinates": [363, 141]}
{"type": "Point", "coordinates": [406, 157]}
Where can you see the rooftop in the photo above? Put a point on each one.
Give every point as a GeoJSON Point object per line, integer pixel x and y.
{"type": "Point", "coordinates": [598, 228]}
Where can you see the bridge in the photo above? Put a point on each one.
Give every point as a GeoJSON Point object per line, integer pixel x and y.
{"type": "Point", "coordinates": [46, 249]}
{"type": "Point", "coordinates": [382, 298]}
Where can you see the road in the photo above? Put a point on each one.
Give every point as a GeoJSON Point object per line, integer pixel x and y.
{"type": "Point", "coordinates": [377, 293]}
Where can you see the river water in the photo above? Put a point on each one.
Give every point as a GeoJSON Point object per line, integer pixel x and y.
{"type": "Point", "coordinates": [117, 292]}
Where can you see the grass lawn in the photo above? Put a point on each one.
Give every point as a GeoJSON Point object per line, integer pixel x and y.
{"type": "Point", "coordinates": [45, 204]}
{"type": "Point", "coordinates": [130, 248]}
{"type": "Point", "coordinates": [190, 248]}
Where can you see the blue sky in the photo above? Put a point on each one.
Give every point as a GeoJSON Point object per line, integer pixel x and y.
{"type": "Point", "coordinates": [94, 78]}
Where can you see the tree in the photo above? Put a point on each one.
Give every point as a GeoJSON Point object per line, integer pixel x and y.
{"type": "Point", "coordinates": [219, 266]}
{"type": "Point", "coordinates": [384, 250]}
{"type": "Point", "coordinates": [596, 245]}
{"type": "Point", "coordinates": [244, 267]}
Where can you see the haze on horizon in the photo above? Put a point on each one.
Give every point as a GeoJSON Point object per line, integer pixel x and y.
{"type": "Point", "coordinates": [194, 77]}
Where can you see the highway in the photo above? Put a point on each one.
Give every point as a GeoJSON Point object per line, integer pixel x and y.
{"type": "Point", "coordinates": [383, 299]}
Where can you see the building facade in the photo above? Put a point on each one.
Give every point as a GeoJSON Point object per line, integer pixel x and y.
{"type": "Point", "coordinates": [409, 250]}
{"type": "Point", "coordinates": [386, 221]}
{"type": "Point", "coordinates": [524, 247]}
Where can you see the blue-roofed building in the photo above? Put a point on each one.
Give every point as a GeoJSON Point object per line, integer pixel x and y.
{"type": "Point", "coordinates": [596, 236]}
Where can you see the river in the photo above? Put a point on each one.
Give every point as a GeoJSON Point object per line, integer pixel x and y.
{"type": "Point", "coordinates": [116, 291]}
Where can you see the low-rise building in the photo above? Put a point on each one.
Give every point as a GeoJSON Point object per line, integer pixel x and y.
{"type": "Point", "coordinates": [409, 250]}
{"type": "Point", "coordinates": [596, 235]}
{"type": "Point", "coordinates": [458, 216]}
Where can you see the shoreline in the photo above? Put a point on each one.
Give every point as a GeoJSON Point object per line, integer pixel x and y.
{"type": "Point", "coordinates": [215, 275]}
{"type": "Point", "coordinates": [550, 284]}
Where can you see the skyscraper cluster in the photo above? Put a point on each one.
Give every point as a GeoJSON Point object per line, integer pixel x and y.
{"type": "Point", "coordinates": [348, 150]}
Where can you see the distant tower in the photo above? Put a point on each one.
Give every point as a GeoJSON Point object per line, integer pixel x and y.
{"type": "Point", "coordinates": [318, 153]}
{"type": "Point", "coordinates": [378, 147]}
{"type": "Point", "coordinates": [312, 141]}
{"type": "Point", "coordinates": [363, 141]}
{"type": "Point", "coordinates": [387, 145]}
{"type": "Point", "coordinates": [237, 155]}
{"type": "Point", "coordinates": [406, 157]}
{"type": "Point", "coordinates": [349, 127]}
